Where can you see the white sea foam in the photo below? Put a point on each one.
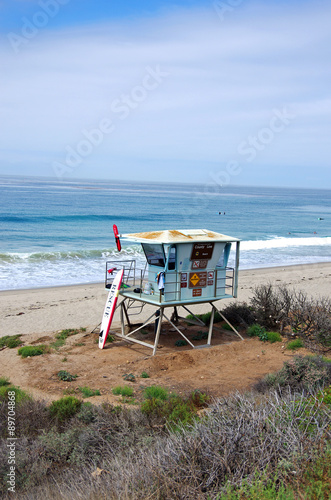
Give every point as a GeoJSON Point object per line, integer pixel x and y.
{"type": "Point", "coordinates": [38, 269]}
{"type": "Point", "coordinates": [281, 242]}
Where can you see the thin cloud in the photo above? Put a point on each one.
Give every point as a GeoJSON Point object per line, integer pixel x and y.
{"type": "Point", "coordinates": [224, 80]}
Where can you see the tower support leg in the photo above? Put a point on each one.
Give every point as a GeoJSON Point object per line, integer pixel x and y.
{"type": "Point", "coordinates": [158, 331]}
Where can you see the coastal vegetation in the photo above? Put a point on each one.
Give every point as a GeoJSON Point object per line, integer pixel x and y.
{"type": "Point", "coordinates": [30, 350]}
{"type": "Point", "coordinates": [10, 341]}
{"type": "Point", "coordinates": [270, 443]}
{"type": "Point", "coordinates": [277, 311]}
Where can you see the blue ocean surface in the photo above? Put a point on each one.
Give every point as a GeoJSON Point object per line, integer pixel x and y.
{"type": "Point", "coordinates": [60, 232]}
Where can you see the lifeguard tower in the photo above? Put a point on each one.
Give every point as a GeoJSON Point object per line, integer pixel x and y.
{"type": "Point", "coordinates": [183, 267]}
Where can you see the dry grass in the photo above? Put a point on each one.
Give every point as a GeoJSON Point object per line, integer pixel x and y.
{"type": "Point", "coordinates": [238, 437]}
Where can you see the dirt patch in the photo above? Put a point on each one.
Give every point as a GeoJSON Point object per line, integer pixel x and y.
{"type": "Point", "coordinates": [230, 364]}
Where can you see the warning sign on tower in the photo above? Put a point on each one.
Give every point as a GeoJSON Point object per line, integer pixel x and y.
{"type": "Point", "coordinates": [197, 280]}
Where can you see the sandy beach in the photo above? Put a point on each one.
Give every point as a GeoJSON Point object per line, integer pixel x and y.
{"type": "Point", "coordinates": [47, 310]}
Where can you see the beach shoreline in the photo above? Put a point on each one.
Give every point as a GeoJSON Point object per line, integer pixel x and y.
{"type": "Point", "coordinates": [46, 310]}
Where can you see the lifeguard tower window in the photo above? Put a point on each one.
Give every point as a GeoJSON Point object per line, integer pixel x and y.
{"type": "Point", "coordinates": [154, 254]}
{"type": "Point", "coordinates": [223, 260]}
{"type": "Point", "coordinates": [172, 259]}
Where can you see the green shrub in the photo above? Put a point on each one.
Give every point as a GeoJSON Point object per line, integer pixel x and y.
{"type": "Point", "coordinates": [205, 318]}
{"type": "Point", "coordinates": [87, 413]}
{"type": "Point", "coordinates": [10, 341]}
{"type": "Point", "coordinates": [65, 408]}
{"type": "Point", "coordinates": [181, 413]}
{"type": "Point", "coordinates": [273, 337]}
{"type": "Point", "coordinates": [129, 377]}
{"type": "Point", "coordinates": [30, 350]}
{"type": "Point", "coordinates": [308, 373]}
{"type": "Point", "coordinates": [294, 344]}
{"type": "Point", "coordinates": [20, 395]}
{"type": "Point", "coordinates": [256, 330]}
{"type": "Point", "coordinates": [325, 395]}
{"type": "Point", "coordinates": [57, 344]}
{"type": "Point", "coordinates": [199, 399]}
{"type": "Point", "coordinates": [62, 336]}
{"type": "Point", "coordinates": [153, 407]}
{"type": "Point", "coordinates": [122, 391]}
{"type": "Point", "coordinates": [174, 410]}
{"type": "Point", "coordinates": [66, 376]}
{"type": "Point", "coordinates": [4, 381]}
{"type": "Point", "coordinates": [200, 336]}
{"type": "Point", "coordinates": [110, 338]}
{"type": "Point", "coordinates": [144, 375]}
{"type": "Point", "coordinates": [87, 392]}
{"type": "Point", "coordinates": [156, 392]}
{"type": "Point", "coordinates": [180, 343]}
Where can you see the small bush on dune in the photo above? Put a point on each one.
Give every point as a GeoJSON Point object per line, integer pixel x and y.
{"type": "Point", "coordinates": [180, 343]}
{"type": "Point", "coordinates": [300, 373]}
{"type": "Point", "coordinates": [62, 336]}
{"type": "Point", "coordinates": [240, 314]}
{"type": "Point", "coordinates": [200, 336]}
{"type": "Point", "coordinates": [10, 341]}
{"type": "Point", "coordinates": [4, 381]}
{"type": "Point", "coordinates": [29, 350]}
{"type": "Point", "coordinates": [156, 392]}
{"type": "Point", "coordinates": [65, 408]}
{"type": "Point", "coordinates": [295, 344]}
{"type": "Point", "coordinates": [272, 305]}
{"type": "Point", "coordinates": [273, 337]}
{"type": "Point", "coordinates": [20, 395]}
{"type": "Point", "coordinates": [87, 392]}
{"type": "Point", "coordinates": [171, 409]}
{"type": "Point", "coordinates": [31, 416]}
{"type": "Point", "coordinates": [125, 391]}
{"type": "Point", "coordinates": [66, 376]}
{"type": "Point", "coordinates": [256, 330]}
{"type": "Point", "coordinates": [87, 413]}
{"type": "Point", "coordinates": [259, 331]}
{"type": "Point", "coordinates": [311, 321]}
{"type": "Point", "coordinates": [199, 399]}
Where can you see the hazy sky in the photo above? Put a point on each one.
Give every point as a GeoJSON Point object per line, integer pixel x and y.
{"type": "Point", "coordinates": [232, 92]}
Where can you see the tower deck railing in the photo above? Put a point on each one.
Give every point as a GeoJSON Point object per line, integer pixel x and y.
{"type": "Point", "coordinates": [135, 281]}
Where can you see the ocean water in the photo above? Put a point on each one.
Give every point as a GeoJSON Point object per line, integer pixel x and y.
{"type": "Point", "coordinates": [60, 232]}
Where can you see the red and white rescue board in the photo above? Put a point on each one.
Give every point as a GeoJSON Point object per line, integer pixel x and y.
{"type": "Point", "coordinates": [110, 308]}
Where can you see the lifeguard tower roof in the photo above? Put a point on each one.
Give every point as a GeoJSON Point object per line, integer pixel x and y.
{"type": "Point", "coordinates": [179, 236]}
